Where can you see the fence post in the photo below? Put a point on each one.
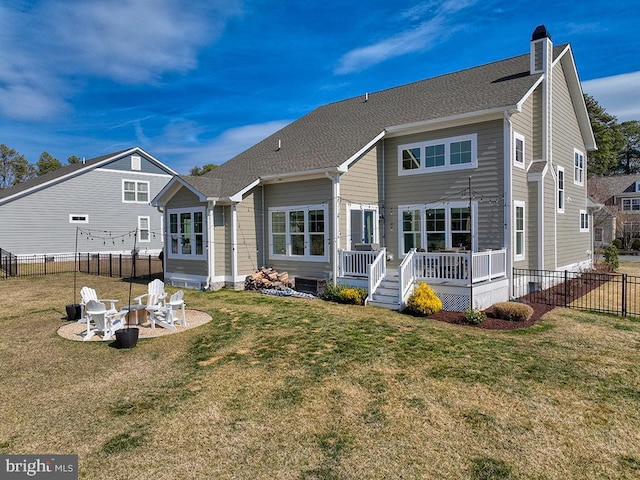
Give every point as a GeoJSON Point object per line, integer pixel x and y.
{"type": "Point", "coordinates": [120, 265]}
{"type": "Point", "coordinates": [624, 294]}
{"type": "Point", "coordinates": [149, 270]}
{"type": "Point", "coordinates": [565, 289]}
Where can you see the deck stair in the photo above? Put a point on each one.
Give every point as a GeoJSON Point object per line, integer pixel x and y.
{"type": "Point", "coordinates": [387, 294]}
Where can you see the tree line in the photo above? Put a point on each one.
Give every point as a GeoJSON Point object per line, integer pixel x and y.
{"type": "Point", "coordinates": [618, 151]}
{"type": "Point", "coordinates": [15, 168]}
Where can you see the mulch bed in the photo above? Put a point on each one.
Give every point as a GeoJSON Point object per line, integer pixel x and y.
{"type": "Point", "coordinates": [493, 323]}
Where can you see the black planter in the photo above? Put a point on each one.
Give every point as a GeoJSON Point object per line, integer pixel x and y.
{"type": "Point", "coordinates": [127, 337]}
{"type": "Point", "coordinates": [73, 311]}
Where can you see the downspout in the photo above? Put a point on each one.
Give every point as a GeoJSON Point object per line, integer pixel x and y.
{"type": "Point", "coordinates": [508, 200]}
{"type": "Point", "coordinates": [234, 243]}
{"type": "Point", "coordinates": [263, 260]}
{"type": "Point", "coordinates": [335, 237]}
{"type": "Point", "coordinates": [211, 269]}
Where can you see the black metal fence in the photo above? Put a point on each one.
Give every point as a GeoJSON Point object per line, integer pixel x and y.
{"type": "Point", "coordinates": [614, 293]}
{"type": "Point", "coordinates": [106, 264]}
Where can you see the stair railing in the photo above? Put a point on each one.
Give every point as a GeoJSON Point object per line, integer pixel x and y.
{"type": "Point", "coordinates": [376, 272]}
{"type": "Point", "coordinates": [406, 277]}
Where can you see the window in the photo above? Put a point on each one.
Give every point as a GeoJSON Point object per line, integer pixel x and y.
{"type": "Point", "coordinates": [438, 155]}
{"type": "Point", "coordinates": [519, 230]}
{"type": "Point", "coordinates": [143, 229]}
{"type": "Point", "coordinates": [631, 204]}
{"type": "Point", "coordinates": [560, 190]}
{"type": "Point", "coordinates": [299, 232]}
{"type": "Point", "coordinates": [136, 162]}
{"type": "Point", "coordinates": [186, 233]}
{"type": "Point", "coordinates": [584, 221]}
{"type": "Point", "coordinates": [518, 150]}
{"type": "Point", "coordinates": [435, 227]}
{"type": "Point", "coordinates": [578, 167]}
{"type": "Point", "coordinates": [598, 233]}
{"type": "Point", "coordinates": [74, 218]}
{"type": "Point", "coordinates": [135, 191]}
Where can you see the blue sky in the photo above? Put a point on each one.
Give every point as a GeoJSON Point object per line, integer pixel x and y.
{"type": "Point", "coordinates": [196, 82]}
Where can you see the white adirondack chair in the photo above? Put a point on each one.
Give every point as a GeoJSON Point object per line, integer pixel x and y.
{"type": "Point", "coordinates": [87, 294]}
{"type": "Point", "coordinates": [155, 288]}
{"type": "Point", "coordinates": [168, 315]}
{"type": "Point", "coordinates": [104, 323]}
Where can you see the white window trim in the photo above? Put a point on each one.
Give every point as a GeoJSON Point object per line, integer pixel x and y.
{"type": "Point", "coordinates": [307, 257]}
{"type": "Point", "coordinates": [181, 255]}
{"type": "Point", "coordinates": [562, 190]}
{"type": "Point", "coordinates": [519, 204]}
{"type": "Point", "coordinates": [136, 182]}
{"type": "Point", "coordinates": [447, 216]}
{"type": "Point", "coordinates": [362, 207]}
{"type": "Point", "coordinates": [447, 155]}
{"type": "Point", "coordinates": [72, 220]}
{"type": "Point", "coordinates": [140, 239]}
{"type": "Point", "coordinates": [582, 169]}
{"type": "Point", "coordinates": [517, 136]}
{"type": "Point", "coordinates": [136, 162]}
{"type": "Point", "coordinates": [631, 201]}
{"type": "Point", "coordinates": [584, 215]}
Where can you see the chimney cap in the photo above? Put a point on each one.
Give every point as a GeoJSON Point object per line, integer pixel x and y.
{"type": "Point", "coordinates": [539, 33]}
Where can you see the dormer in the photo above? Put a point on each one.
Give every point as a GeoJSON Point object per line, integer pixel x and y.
{"type": "Point", "coordinates": [540, 50]}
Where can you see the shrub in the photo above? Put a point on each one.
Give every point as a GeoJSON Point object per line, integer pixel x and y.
{"type": "Point", "coordinates": [611, 257]}
{"type": "Point", "coordinates": [617, 243]}
{"type": "Point", "coordinates": [635, 244]}
{"type": "Point", "coordinates": [342, 293]}
{"type": "Point", "coordinates": [474, 317]}
{"type": "Point", "coordinates": [513, 311]}
{"type": "Point", "coordinates": [424, 300]}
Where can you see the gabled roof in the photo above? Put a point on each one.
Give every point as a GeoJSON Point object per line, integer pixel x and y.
{"type": "Point", "coordinates": [603, 188]}
{"type": "Point", "coordinates": [72, 170]}
{"type": "Point", "coordinates": [327, 138]}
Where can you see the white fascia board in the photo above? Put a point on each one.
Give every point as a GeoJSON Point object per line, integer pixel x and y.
{"type": "Point", "coordinates": [344, 167]}
{"type": "Point", "coordinates": [238, 196]}
{"type": "Point", "coordinates": [496, 113]}
{"type": "Point", "coordinates": [63, 178]}
{"type": "Point", "coordinates": [158, 162]}
{"type": "Point", "coordinates": [172, 187]}
{"type": "Point", "coordinates": [577, 97]}
{"type": "Point", "coordinates": [529, 93]}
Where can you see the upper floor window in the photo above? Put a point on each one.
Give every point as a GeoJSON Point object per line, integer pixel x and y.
{"type": "Point", "coordinates": [299, 232]}
{"type": "Point", "coordinates": [518, 150]}
{"type": "Point", "coordinates": [578, 167]}
{"type": "Point", "coordinates": [186, 232]}
{"type": "Point", "coordinates": [631, 204]}
{"type": "Point", "coordinates": [135, 191]}
{"type": "Point", "coordinates": [560, 190]}
{"type": "Point", "coordinates": [438, 155]}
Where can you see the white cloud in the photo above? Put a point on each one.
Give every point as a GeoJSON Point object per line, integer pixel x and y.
{"type": "Point", "coordinates": [50, 47]}
{"type": "Point", "coordinates": [422, 37]}
{"type": "Point", "coordinates": [217, 151]}
{"type": "Point", "coordinates": [619, 94]}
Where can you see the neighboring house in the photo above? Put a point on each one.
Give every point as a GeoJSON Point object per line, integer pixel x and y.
{"type": "Point", "coordinates": [619, 212]}
{"type": "Point", "coordinates": [104, 199]}
{"type": "Point", "coordinates": [374, 190]}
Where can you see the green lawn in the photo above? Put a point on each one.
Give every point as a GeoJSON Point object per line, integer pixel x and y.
{"type": "Point", "coordinates": [282, 388]}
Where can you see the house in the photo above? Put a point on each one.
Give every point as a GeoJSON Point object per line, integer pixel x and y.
{"type": "Point", "coordinates": [454, 180]}
{"type": "Point", "coordinates": [618, 215]}
{"type": "Point", "coordinates": [104, 199]}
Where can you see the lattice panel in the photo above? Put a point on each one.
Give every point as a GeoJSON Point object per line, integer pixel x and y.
{"type": "Point", "coordinates": [454, 302]}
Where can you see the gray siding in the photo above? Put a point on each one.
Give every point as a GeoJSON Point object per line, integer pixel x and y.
{"type": "Point", "coordinates": [249, 242]}
{"type": "Point", "coordinates": [39, 222]}
{"type": "Point", "coordinates": [487, 183]}
{"type": "Point", "coordinates": [222, 240]}
{"type": "Point", "coordinates": [146, 166]}
{"type": "Point", "coordinates": [572, 245]}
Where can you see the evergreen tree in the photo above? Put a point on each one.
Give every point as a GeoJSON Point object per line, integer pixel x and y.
{"type": "Point", "coordinates": [14, 168]}
{"type": "Point", "coordinates": [72, 160]}
{"type": "Point", "coordinates": [47, 163]}
{"type": "Point", "coordinates": [608, 137]}
{"type": "Point", "coordinates": [199, 171]}
{"type": "Point", "coordinates": [629, 155]}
